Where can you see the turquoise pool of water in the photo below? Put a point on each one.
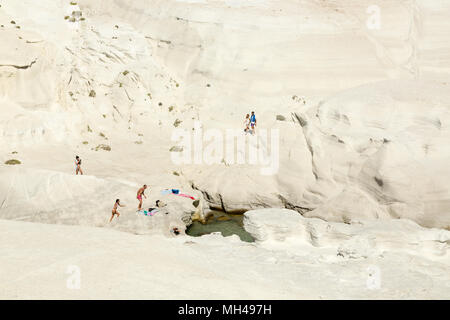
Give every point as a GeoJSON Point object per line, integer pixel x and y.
{"type": "Point", "coordinates": [218, 221]}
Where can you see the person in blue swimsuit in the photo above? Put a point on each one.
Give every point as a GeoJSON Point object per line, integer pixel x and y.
{"type": "Point", "coordinates": [253, 122]}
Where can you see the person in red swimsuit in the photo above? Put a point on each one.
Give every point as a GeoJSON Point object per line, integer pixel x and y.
{"type": "Point", "coordinates": [141, 193]}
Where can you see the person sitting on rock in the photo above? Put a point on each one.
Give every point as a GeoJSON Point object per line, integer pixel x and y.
{"type": "Point", "coordinates": [160, 204]}
{"type": "Point", "coordinates": [175, 231]}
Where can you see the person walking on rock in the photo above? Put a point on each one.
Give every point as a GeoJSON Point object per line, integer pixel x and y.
{"type": "Point", "coordinates": [78, 165]}
{"type": "Point", "coordinates": [141, 193]}
{"type": "Point", "coordinates": [253, 122]}
{"type": "Point", "coordinates": [114, 210]}
{"type": "Point", "coordinates": [247, 123]}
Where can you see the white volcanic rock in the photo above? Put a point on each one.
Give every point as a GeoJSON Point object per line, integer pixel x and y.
{"type": "Point", "coordinates": [149, 267]}
{"type": "Point", "coordinates": [374, 148]}
{"type": "Point", "coordinates": [283, 227]}
{"type": "Point", "coordinates": [390, 155]}
{"type": "Point", "coordinates": [373, 152]}
{"type": "Point", "coordinates": [58, 198]}
{"type": "Point", "coordinates": [362, 115]}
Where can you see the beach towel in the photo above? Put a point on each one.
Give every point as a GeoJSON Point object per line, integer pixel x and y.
{"type": "Point", "coordinates": [148, 213]}
{"type": "Point", "coordinates": [186, 196]}
{"type": "Point", "coordinates": [176, 192]}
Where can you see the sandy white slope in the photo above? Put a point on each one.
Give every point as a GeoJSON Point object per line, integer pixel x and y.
{"type": "Point", "coordinates": [41, 261]}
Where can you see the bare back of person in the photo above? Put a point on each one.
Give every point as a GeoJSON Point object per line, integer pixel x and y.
{"type": "Point", "coordinates": [141, 193]}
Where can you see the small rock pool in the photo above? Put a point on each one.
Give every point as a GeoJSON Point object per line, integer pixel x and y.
{"type": "Point", "coordinates": [219, 221]}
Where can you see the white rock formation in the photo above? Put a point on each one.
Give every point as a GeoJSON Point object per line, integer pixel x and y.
{"type": "Point", "coordinates": [118, 71]}
{"type": "Point", "coordinates": [283, 227]}
{"type": "Point", "coordinates": [362, 113]}
{"type": "Point", "coordinates": [286, 265]}
{"type": "Point", "coordinates": [60, 198]}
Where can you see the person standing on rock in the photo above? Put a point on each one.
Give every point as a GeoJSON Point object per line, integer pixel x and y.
{"type": "Point", "coordinates": [78, 165]}
{"type": "Point", "coordinates": [114, 210]}
{"type": "Point", "coordinates": [247, 123]}
{"type": "Point", "coordinates": [253, 122]}
{"type": "Point", "coordinates": [141, 193]}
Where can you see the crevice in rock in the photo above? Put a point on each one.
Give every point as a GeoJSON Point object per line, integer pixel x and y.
{"type": "Point", "coordinates": [379, 181]}
{"type": "Point", "coordinates": [19, 67]}
{"type": "Point", "coordinates": [221, 203]}
{"type": "Point", "coordinates": [289, 205]}
{"type": "Point", "coordinates": [303, 124]}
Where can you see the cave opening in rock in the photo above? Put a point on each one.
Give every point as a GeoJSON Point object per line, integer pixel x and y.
{"type": "Point", "coordinates": [220, 221]}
